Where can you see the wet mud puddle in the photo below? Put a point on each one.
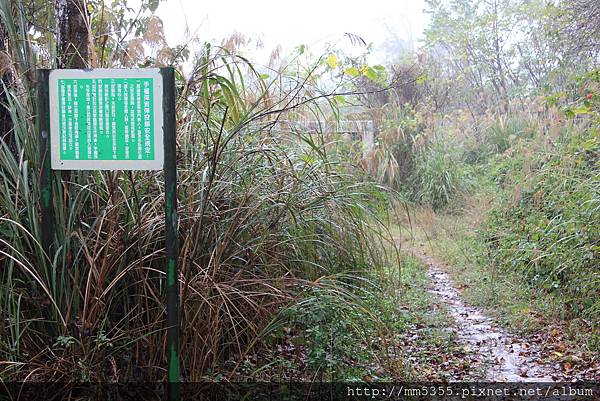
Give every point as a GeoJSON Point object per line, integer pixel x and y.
{"type": "Point", "coordinates": [505, 357]}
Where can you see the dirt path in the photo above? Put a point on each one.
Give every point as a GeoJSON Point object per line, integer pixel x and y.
{"type": "Point", "coordinates": [506, 357]}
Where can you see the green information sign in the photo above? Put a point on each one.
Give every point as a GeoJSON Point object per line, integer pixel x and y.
{"type": "Point", "coordinates": [113, 119]}
{"type": "Point", "coordinates": [106, 119]}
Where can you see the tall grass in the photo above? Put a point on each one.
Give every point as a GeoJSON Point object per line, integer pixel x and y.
{"type": "Point", "coordinates": [419, 158]}
{"type": "Point", "coordinates": [441, 176]}
{"type": "Point", "coordinates": [545, 223]}
{"type": "Point", "coordinates": [263, 214]}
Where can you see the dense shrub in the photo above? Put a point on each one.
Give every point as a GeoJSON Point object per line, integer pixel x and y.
{"type": "Point", "coordinates": [441, 176]}
{"type": "Point", "coordinates": [264, 213]}
{"type": "Point", "coordinates": [505, 131]}
{"type": "Point", "coordinates": [549, 229]}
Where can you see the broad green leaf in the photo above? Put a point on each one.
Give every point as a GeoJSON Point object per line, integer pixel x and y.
{"type": "Point", "coordinates": [352, 71]}
{"type": "Point", "coordinates": [370, 73]}
{"type": "Point", "coordinates": [332, 61]}
{"type": "Point", "coordinates": [581, 110]}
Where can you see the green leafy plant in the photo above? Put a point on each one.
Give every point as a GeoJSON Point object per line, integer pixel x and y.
{"type": "Point", "coordinates": [264, 211]}
{"type": "Point", "coordinates": [441, 176]}
{"type": "Point", "coordinates": [548, 229]}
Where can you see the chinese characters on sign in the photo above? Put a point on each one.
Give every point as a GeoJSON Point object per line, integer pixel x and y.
{"type": "Point", "coordinates": [106, 119]}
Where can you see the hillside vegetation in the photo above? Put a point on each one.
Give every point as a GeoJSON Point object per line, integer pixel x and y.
{"type": "Point", "coordinates": [292, 230]}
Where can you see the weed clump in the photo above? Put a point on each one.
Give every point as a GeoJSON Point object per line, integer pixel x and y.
{"type": "Point", "coordinates": [547, 224]}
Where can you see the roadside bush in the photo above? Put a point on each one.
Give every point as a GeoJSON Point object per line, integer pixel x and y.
{"type": "Point", "coordinates": [336, 328]}
{"type": "Point", "coordinates": [494, 135]}
{"type": "Point", "coordinates": [441, 176]}
{"type": "Point", "coordinates": [549, 228]}
{"type": "Point", "coordinates": [263, 214]}
{"type": "Point", "coordinates": [505, 131]}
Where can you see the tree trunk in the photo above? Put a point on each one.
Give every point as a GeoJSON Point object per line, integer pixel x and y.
{"type": "Point", "coordinates": [72, 34]}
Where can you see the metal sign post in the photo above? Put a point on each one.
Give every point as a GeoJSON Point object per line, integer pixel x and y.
{"type": "Point", "coordinates": [43, 126]}
{"type": "Point", "coordinates": [114, 119]}
{"type": "Point", "coordinates": [171, 238]}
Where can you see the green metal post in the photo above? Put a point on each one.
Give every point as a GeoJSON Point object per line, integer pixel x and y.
{"type": "Point", "coordinates": [43, 123]}
{"type": "Point", "coordinates": [171, 243]}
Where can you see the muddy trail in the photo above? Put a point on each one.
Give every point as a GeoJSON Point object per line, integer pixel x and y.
{"type": "Point", "coordinates": [505, 357]}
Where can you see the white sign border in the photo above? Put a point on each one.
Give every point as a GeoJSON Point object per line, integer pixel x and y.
{"type": "Point", "coordinates": [159, 154]}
